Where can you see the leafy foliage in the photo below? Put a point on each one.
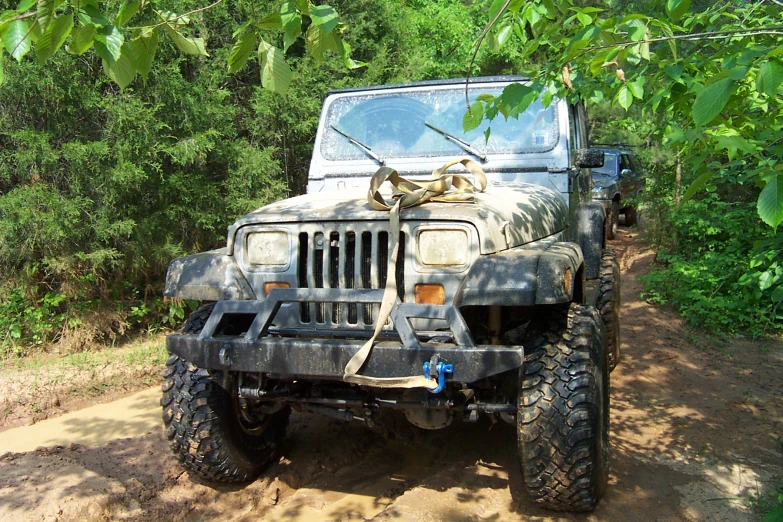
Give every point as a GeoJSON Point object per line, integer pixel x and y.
{"type": "Point", "coordinates": [126, 51]}
{"type": "Point", "coordinates": [709, 75]}
{"type": "Point", "coordinates": [101, 187]}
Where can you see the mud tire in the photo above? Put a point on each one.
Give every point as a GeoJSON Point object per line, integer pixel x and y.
{"type": "Point", "coordinates": [563, 416]}
{"type": "Point", "coordinates": [609, 305]}
{"type": "Point", "coordinates": [631, 216]}
{"type": "Point", "coordinates": [612, 220]}
{"type": "Point", "coordinates": [203, 426]}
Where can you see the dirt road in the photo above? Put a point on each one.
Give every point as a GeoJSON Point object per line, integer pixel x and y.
{"type": "Point", "coordinates": [693, 437]}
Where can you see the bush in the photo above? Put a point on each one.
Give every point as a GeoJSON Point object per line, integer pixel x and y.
{"type": "Point", "coordinates": [721, 267]}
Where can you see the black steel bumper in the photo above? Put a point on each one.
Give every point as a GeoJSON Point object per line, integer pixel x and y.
{"type": "Point", "coordinates": [261, 350]}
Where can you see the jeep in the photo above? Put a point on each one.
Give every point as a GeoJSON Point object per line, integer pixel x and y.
{"type": "Point", "coordinates": [495, 297]}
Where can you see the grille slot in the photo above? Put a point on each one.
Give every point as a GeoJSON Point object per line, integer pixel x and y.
{"type": "Point", "coordinates": [340, 256]}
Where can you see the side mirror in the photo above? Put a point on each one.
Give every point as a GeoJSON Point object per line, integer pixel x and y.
{"type": "Point", "coordinates": [589, 158]}
{"type": "Point", "coordinates": [626, 173]}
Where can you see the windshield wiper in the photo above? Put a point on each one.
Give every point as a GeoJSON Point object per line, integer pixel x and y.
{"type": "Point", "coordinates": [367, 150]}
{"type": "Point", "coordinates": [461, 144]}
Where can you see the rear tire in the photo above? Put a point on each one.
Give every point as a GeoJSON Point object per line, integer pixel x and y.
{"type": "Point", "coordinates": [210, 433]}
{"type": "Point", "coordinates": [631, 216]}
{"type": "Point", "coordinates": [563, 416]}
{"type": "Point", "coordinates": [609, 305]}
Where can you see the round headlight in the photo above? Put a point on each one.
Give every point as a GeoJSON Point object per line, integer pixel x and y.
{"type": "Point", "coordinates": [443, 247]}
{"type": "Point", "coordinates": [267, 248]}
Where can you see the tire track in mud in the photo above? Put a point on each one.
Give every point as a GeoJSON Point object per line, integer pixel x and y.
{"type": "Point", "coordinates": [684, 432]}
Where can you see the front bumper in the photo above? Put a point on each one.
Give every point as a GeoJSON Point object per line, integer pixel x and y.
{"type": "Point", "coordinates": [308, 354]}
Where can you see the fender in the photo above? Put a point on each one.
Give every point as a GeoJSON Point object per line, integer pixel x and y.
{"type": "Point", "coordinates": [524, 276]}
{"type": "Point", "coordinates": [209, 276]}
{"type": "Point", "coordinates": [590, 235]}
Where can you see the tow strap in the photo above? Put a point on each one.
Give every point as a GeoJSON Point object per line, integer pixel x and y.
{"type": "Point", "coordinates": [440, 187]}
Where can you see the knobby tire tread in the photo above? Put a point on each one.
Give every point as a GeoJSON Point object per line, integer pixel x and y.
{"type": "Point", "coordinates": [608, 305]}
{"type": "Point", "coordinates": [200, 423]}
{"type": "Point", "coordinates": [562, 419]}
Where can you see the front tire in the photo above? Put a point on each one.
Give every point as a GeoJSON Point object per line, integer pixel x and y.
{"type": "Point", "coordinates": [209, 431]}
{"type": "Point", "coordinates": [563, 416]}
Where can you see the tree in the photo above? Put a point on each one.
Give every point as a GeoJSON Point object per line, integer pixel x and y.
{"type": "Point", "coordinates": [711, 76]}
{"type": "Point", "coordinates": [126, 50]}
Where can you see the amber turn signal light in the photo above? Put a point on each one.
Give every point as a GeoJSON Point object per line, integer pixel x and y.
{"type": "Point", "coordinates": [270, 286]}
{"type": "Point", "coordinates": [567, 282]}
{"type": "Point", "coordinates": [430, 294]}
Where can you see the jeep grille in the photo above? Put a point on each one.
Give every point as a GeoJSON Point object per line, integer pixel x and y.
{"type": "Point", "coordinates": [345, 256]}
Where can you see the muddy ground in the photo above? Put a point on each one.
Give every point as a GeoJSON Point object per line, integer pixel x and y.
{"type": "Point", "coordinates": [695, 435]}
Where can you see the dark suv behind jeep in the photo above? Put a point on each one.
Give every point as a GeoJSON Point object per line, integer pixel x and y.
{"type": "Point", "coordinates": [615, 184]}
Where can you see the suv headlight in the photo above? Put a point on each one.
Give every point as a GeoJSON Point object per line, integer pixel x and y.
{"type": "Point", "coordinates": [443, 247]}
{"type": "Point", "coordinates": [601, 193]}
{"type": "Point", "coordinates": [268, 248]}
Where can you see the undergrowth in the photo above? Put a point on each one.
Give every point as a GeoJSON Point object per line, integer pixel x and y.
{"type": "Point", "coordinates": [720, 267]}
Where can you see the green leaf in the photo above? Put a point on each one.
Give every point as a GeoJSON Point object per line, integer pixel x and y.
{"type": "Point", "coordinates": [16, 38]}
{"type": "Point", "coordinates": [734, 143]}
{"type": "Point", "coordinates": [697, 185]}
{"type": "Point", "coordinates": [45, 13]}
{"type": "Point", "coordinates": [318, 42]}
{"type": "Point", "coordinates": [777, 296]}
{"type": "Point", "coordinates": [187, 45]}
{"type": "Point", "coordinates": [771, 74]}
{"type": "Point", "coordinates": [25, 5]}
{"type": "Point", "coordinates": [472, 117]}
{"type": "Point", "coordinates": [2, 73]}
{"type": "Point", "coordinates": [637, 87]}
{"type": "Point", "coordinates": [677, 8]}
{"type": "Point", "coordinates": [292, 23]}
{"type": "Point", "coordinates": [275, 73]}
{"type": "Point", "coordinates": [53, 38]}
{"type": "Point", "coordinates": [108, 43]}
{"type": "Point", "coordinates": [673, 71]}
{"type": "Point", "coordinates": [624, 97]}
{"type": "Point", "coordinates": [245, 45]}
{"type": "Point", "coordinates": [516, 98]}
{"type": "Point", "coordinates": [123, 70]}
{"type": "Point", "coordinates": [325, 17]}
{"type": "Point", "coordinates": [81, 39]}
{"type": "Point", "coordinates": [142, 52]}
{"type": "Point", "coordinates": [345, 52]}
{"type": "Point", "coordinates": [584, 19]}
{"type": "Point", "coordinates": [770, 204]}
{"type": "Point", "coordinates": [711, 100]}
{"type": "Point", "coordinates": [127, 10]}
{"type": "Point", "coordinates": [270, 22]}
{"type": "Point", "coordinates": [16, 331]}
{"type": "Point", "coordinates": [89, 14]}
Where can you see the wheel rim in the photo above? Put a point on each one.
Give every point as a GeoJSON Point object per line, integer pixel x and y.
{"type": "Point", "coordinates": [250, 423]}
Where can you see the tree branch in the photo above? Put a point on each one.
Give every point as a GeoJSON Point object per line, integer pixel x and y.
{"type": "Point", "coordinates": [183, 15]}
{"type": "Point", "coordinates": [714, 35]}
{"type": "Point", "coordinates": [478, 44]}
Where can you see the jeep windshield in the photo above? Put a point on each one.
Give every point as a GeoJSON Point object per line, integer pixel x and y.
{"type": "Point", "coordinates": [399, 123]}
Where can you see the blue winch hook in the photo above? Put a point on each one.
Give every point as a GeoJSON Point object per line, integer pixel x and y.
{"type": "Point", "coordinates": [441, 369]}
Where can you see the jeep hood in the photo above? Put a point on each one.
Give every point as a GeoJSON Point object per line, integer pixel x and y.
{"type": "Point", "coordinates": [505, 216]}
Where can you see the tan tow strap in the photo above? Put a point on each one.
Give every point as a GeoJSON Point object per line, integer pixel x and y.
{"type": "Point", "coordinates": [440, 188]}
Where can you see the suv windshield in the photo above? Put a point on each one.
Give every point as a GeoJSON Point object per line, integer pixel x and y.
{"type": "Point", "coordinates": [394, 124]}
{"type": "Point", "coordinates": [610, 165]}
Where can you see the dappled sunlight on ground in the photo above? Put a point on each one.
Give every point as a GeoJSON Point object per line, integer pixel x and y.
{"type": "Point", "coordinates": [694, 421]}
